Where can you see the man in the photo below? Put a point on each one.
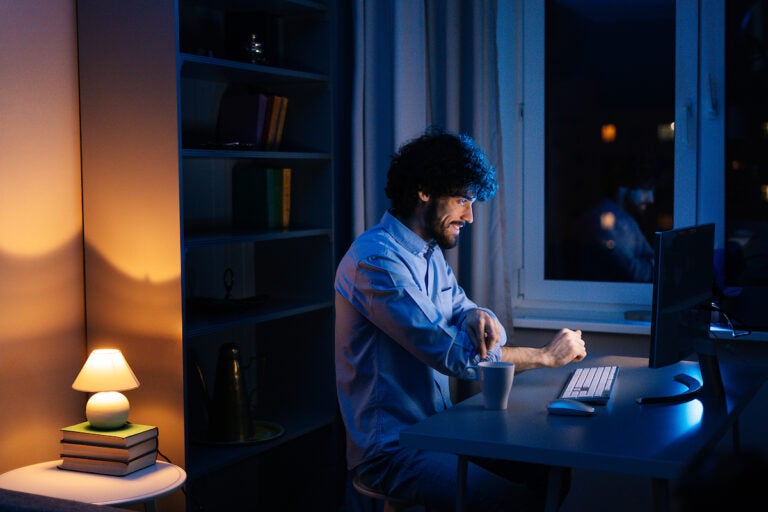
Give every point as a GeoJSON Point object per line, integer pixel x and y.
{"type": "Point", "coordinates": [404, 326]}
{"type": "Point", "coordinates": [612, 245]}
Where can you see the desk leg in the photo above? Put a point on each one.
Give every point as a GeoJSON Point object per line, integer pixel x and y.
{"type": "Point", "coordinates": [660, 494]}
{"type": "Point", "coordinates": [461, 482]}
{"type": "Point", "coordinates": [555, 479]}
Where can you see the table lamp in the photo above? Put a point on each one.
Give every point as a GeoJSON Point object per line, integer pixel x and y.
{"type": "Point", "coordinates": [106, 373]}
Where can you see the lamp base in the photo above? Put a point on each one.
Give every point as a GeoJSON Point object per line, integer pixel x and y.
{"type": "Point", "coordinates": [107, 410]}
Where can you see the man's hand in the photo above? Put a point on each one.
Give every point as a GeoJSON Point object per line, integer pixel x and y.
{"type": "Point", "coordinates": [567, 346]}
{"type": "Point", "coordinates": [483, 330]}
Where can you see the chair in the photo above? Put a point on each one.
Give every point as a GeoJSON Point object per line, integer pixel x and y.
{"type": "Point", "coordinates": [391, 504]}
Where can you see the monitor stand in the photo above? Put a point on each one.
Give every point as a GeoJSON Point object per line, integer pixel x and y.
{"type": "Point", "coordinates": [710, 386]}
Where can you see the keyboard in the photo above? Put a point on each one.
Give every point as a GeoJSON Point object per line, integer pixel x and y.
{"type": "Point", "coordinates": [591, 384]}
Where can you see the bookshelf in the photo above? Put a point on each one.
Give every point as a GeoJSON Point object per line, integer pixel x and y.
{"type": "Point", "coordinates": [269, 291]}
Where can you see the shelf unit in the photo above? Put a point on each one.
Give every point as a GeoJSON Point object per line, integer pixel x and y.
{"type": "Point", "coordinates": [278, 306]}
{"type": "Point", "coordinates": [168, 64]}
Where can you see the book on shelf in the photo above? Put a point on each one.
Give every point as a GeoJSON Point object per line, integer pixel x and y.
{"type": "Point", "coordinates": [274, 124]}
{"type": "Point", "coordinates": [126, 436]}
{"type": "Point", "coordinates": [123, 453]}
{"type": "Point", "coordinates": [261, 197]}
{"type": "Point", "coordinates": [260, 117]}
{"type": "Point", "coordinates": [277, 136]}
{"type": "Point", "coordinates": [285, 204]}
{"type": "Point", "coordinates": [108, 466]}
{"type": "Point", "coordinates": [270, 121]}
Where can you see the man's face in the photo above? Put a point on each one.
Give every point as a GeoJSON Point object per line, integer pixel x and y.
{"type": "Point", "coordinates": [640, 199]}
{"type": "Point", "coordinates": [445, 216]}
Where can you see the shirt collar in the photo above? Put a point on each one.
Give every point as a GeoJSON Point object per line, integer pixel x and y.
{"type": "Point", "coordinates": [404, 236]}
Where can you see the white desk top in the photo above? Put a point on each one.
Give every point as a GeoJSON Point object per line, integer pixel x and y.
{"type": "Point", "coordinates": [47, 479]}
{"type": "Point", "coordinates": [623, 437]}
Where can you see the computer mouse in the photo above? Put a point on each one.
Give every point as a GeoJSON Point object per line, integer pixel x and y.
{"type": "Point", "coordinates": [569, 407]}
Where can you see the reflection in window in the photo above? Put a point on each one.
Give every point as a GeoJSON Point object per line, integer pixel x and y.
{"type": "Point", "coordinates": [746, 163]}
{"type": "Point", "coordinates": [610, 89]}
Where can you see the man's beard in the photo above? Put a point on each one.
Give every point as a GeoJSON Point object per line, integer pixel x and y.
{"type": "Point", "coordinates": [436, 229]}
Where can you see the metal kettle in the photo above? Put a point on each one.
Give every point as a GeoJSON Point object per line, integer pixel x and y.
{"type": "Point", "coordinates": [229, 411]}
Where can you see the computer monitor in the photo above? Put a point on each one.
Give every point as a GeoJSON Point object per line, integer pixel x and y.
{"type": "Point", "coordinates": [681, 308]}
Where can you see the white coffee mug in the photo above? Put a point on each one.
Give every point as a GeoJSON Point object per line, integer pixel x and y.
{"type": "Point", "coordinates": [496, 379]}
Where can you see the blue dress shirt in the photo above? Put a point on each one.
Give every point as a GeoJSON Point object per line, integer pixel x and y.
{"type": "Point", "coordinates": [399, 336]}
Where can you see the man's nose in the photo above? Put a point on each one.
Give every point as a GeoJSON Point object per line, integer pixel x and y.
{"type": "Point", "coordinates": [468, 217]}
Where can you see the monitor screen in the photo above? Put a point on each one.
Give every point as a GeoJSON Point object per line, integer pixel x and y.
{"type": "Point", "coordinates": [682, 292]}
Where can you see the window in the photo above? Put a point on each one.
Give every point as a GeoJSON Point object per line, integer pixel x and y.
{"type": "Point", "coordinates": [609, 137]}
{"type": "Point", "coordinates": [602, 83]}
{"type": "Point", "coordinates": [745, 262]}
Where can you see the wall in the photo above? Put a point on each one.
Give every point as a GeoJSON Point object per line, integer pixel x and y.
{"type": "Point", "coordinates": [130, 163]}
{"type": "Point", "coordinates": [41, 247]}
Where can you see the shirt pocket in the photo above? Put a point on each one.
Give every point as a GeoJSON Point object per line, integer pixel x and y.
{"type": "Point", "coordinates": [445, 302]}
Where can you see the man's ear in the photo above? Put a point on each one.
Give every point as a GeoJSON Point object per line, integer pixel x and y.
{"type": "Point", "coordinates": [423, 196]}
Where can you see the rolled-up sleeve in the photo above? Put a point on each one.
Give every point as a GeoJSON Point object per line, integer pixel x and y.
{"type": "Point", "coordinates": [386, 290]}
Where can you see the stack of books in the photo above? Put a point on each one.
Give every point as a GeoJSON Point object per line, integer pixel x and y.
{"type": "Point", "coordinates": [116, 452]}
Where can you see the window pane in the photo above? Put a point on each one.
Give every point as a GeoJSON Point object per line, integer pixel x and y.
{"type": "Point", "coordinates": [609, 110]}
{"type": "Point", "coordinates": [746, 166]}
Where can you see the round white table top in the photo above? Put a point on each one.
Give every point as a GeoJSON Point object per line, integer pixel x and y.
{"type": "Point", "coordinates": [143, 485]}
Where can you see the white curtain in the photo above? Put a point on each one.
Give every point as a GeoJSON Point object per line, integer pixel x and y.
{"type": "Point", "coordinates": [419, 63]}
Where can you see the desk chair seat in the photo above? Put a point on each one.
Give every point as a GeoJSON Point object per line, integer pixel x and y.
{"type": "Point", "coordinates": [391, 504]}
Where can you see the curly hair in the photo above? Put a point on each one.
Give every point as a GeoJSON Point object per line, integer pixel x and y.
{"type": "Point", "coordinates": [440, 164]}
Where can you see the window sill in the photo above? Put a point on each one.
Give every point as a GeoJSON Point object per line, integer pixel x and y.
{"type": "Point", "coordinates": [588, 321]}
{"type": "Point", "coordinates": [606, 321]}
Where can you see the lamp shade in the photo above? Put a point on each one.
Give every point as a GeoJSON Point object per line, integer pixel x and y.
{"type": "Point", "coordinates": [105, 370]}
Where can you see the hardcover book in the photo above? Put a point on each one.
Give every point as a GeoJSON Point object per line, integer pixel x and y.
{"type": "Point", "coordinates": [72, 449]}
{"type": "Point", "coordinates": [270, 122]}
{"type": "Point", "coordinates": [129, 435]}
{"type": "Point", "coordinates": [108, 467]}
{"type": "Point", "coordinates": [276, 132]}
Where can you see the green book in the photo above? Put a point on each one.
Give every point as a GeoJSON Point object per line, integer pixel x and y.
{"type": "Point", "coordinates": [129, 435]}
{"type": "Point", "coordinates": [260, 197]}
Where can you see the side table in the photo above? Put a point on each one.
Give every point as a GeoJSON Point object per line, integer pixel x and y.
{"type": "Point", "coordinates": [143, 486]}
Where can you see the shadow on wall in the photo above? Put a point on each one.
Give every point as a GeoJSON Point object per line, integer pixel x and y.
{"type": "Point", "coordinates": [41, 350]}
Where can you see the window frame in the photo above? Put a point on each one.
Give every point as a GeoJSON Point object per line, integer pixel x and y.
{"type": "Point", "coordinates": [699, 168]}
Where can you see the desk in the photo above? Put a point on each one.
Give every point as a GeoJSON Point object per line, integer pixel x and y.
{"type": "Point", "coordinates": [657, 441]}
{"type": "Point", "coordinates": [143, 486]}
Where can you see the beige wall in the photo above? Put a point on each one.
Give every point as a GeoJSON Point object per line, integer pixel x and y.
{"type": "Point", "coordinates": [41, 248]}
{"type": "Point", "coordinates": [130, 170]}
{"type": "Point", "coordinates": [43, 338]}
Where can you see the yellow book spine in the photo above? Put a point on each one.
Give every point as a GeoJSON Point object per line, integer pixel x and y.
{"type": "Point", "coordinates": [280, 123]}
{"type": "Point", "coordinates": [286, 199]}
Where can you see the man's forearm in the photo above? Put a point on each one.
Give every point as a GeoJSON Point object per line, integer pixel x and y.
{"type": "Point", "coordinates": [525, 358]}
